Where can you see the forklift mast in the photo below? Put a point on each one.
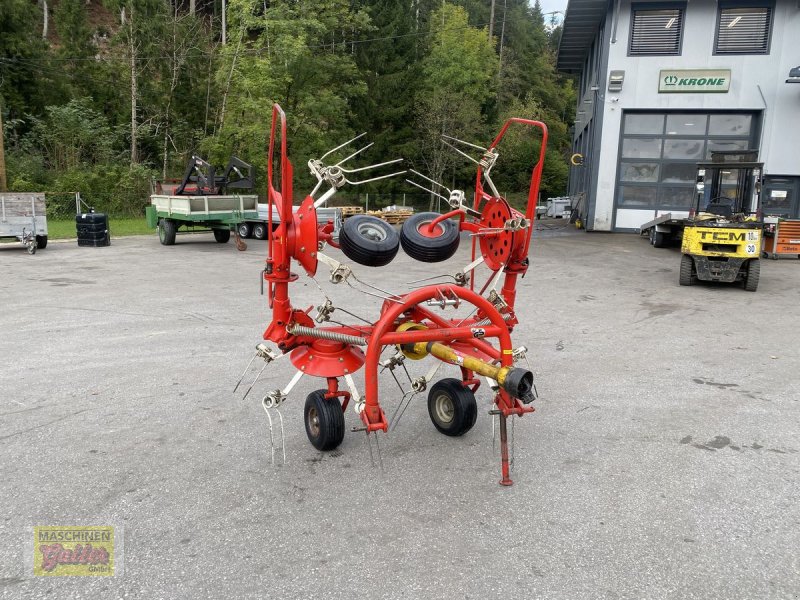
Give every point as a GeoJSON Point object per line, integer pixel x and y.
{"type": "Point", "coordinates": [730, 185]}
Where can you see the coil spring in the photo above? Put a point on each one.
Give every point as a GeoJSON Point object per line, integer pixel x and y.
{"type": "Point", "coordinates": [487, 321]}
{"type": "Point", "coordinates": [321, 334]}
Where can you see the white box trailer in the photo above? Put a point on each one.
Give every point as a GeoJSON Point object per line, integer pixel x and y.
{"type": "Point", "coordinates": [23, 216]}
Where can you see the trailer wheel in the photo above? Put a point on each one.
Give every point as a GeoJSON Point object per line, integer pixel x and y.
{"type": "Point", "coordinates": [425, 246]}
{"type": "Point", "coordinates": [260, 231]}
{"type": "Point", "coordinates": [652, 235]}
{"type": "Point", "coordinates": [167, 229]}
{"type": "Point", "coordinates": [324, 421]}
{"type": "Point", "coordinates": [660, 239]}
{"type": "Point", "coordinates": [688, 275]}
{"type": "Point", "coordinates": [244, 230]}
{"type": "Point", "coordinates": [41, 242]}
{"type": "Point", "coordinates": [222, 235]}
{"type": "Point", "coordinates": [369, 241]}
{"type": "Point", "coordinates": [753, 275]}
{"type": "Point", "coordinates": [452, 407]}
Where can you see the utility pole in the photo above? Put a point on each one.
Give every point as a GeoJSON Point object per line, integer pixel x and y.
{"type": "Point", "coordinates": [491, 21]}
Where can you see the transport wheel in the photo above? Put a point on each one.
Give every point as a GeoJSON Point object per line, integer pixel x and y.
{"type": "Point", "coordinates": [324, 421]}
{"type": "Point", "coordinates": [32, 247]}
{"type": "Point", "coordinates": [429, 246]}
{"type": "Point", "coordinates": [652, 236]}
{"type": "Point", "coordinates": [369, 241]}
{"type": "Point", "coordinates": [452, 407]}
{"type": "Point", "coordinates": [166, 232]}
{"type": "Point", "coordinates": [687, 275]}
{"type": "Point", "coordinates": [660, 239]}
{"type": "Point", "coordinates": [260, 231]}
{"type": "Point", "coordinates": [222, 235]}
{"type": "Point", "coordinates": [41, 242]}
{"type": "Point", "coordinates": [753, 275]}
{"type": "Point", "coordinates": [244, 230]}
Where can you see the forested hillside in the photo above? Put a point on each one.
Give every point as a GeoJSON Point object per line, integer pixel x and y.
{"type": "Point", "coordinates": [98, 96]}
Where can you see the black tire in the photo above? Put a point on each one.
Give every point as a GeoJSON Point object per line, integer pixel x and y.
{"type": "Point", "coordinates": [244, 230]}
{"type": "Point", "coordinates": [324, 421]}
{"type": "Point", "coordinates": [260, 231]}
{"type": "Point", "coordinates": [369, 241]}
{"type": "Point", "coordinates": [167, 229]}
{"type": "Point", "coordinates": [753, 275]}
{"type": "Point", "coordinates": [41, 242]}
{"type": "Point", "coordinates": [222, 235]}
{"type": "Point", "coordinates": [652, 236]}
{"type": "Point", "coordinates": [660, 239]}
{"type": "Point", "coordinates": [687, 274]}
{"type": "Point", "coordinates": [452, 407]}
{"type": "Point", "coordinates": [429, 249]}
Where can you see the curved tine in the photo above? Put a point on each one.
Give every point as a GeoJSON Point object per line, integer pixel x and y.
{"type": "Point", "coordinates": [375, 166]}
{"type": "Point", "coordinates": [283, 437]}
{"type": "Point", "coordinates": [354, 154]}
{"type": "Point", "coordinates": [340, 146]}
{"type": "Point", "coordinates": [464, 154]}
{"type": "Point", "coordinates": [422, 187]}
{"type": "Point", "coordinates": [271, 439]}
{"type": "Point", "coordinates": [374, 178]}
{"type": "Point", "coordinates": [455, 139]}
{"type": "Point", "coordinates": [433, 181]}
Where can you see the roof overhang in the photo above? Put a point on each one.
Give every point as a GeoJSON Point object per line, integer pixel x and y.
{"type": "Point", "coordinates": [581, 22]}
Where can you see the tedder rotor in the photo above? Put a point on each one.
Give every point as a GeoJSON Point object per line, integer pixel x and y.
{"type": "Point", "coordinates": [411, 325]}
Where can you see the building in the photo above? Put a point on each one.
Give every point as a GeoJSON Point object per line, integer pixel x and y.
{"type": "Point", "coordinates": [661, 84]}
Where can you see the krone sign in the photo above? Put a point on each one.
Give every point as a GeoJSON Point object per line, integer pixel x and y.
{"type": "Point", "coordinates": [696, 80]}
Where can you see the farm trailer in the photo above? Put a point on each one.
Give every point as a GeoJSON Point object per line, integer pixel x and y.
{"type": "Point", "coordinates": [23, 217]}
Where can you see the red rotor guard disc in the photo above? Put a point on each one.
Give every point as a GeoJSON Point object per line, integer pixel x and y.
{"type": "Point", "coordinates": [324, 358]}
{"type": "Point", "coordinates": [496, 248]}
{"type": "Point", "coordinates": [307, 241]}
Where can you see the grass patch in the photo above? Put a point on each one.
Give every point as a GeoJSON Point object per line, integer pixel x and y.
{"type": "Point", "coordinates": [65, 228]}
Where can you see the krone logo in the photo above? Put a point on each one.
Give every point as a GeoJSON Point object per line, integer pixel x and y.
{"type": "Point", "coordinates": [670, 80]}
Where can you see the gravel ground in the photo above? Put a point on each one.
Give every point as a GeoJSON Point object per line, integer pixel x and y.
{"type": "Point", "coordinates": [661, 462]}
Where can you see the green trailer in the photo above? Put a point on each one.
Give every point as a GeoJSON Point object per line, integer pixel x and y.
{"type": "Point", "coordinates": [219, 214]}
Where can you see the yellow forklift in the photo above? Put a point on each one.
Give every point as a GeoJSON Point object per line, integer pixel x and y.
{"type": "Point", "coordinates": [722, 237]}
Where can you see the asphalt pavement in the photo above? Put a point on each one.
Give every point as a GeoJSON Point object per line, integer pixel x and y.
{"type": "Point", "coordinates": [661, 462]}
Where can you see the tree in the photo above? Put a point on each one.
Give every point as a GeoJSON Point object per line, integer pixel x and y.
{"type": "Point", "coordinates": [297, 55]}
{"type": "Point", "coordinates": [457, 82]}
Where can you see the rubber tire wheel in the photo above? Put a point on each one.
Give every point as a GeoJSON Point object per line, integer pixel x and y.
{"type": "Point", "coordinates": [687, 275]}
{"type": "Point", "coordinates": [369, 241]}
{"type": "Point", "coordinates": [452, 407]}
{"type": "Point", "coordinates": [167, 229]}
{"type": "Point", "coordinates": [260, 231]}
{"type": "Point", "coordinates": [324, 421]}
{"type": "Point", "coordinates": [41, 242]}
{"type": "Point", "coordinates": [660, 239]}
{"type": "Point", "coordinates": [753, 275]}
{"type": "Point", "coordinates": [652, 236]}
{"type": "Point", "coordinates": [244, 230]}
{"type": "Point", "coordinates": [222, 235]}
{"type": "Point", "coordinates": [429, 249]}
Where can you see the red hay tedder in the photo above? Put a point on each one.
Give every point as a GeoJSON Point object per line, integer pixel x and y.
{"type": "Point", "coordinates": [412, 325]}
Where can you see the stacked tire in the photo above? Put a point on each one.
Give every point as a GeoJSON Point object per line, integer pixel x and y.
{"type": "Point", "coordinates": [92, 229]}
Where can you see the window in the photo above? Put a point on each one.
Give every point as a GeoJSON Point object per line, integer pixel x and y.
{"type": "Point", "coordinates": [656, 30]}
{"type": "Point", "coordinates": [743, 29]}
{"type": "Point", "coordinates": [659, 152]}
